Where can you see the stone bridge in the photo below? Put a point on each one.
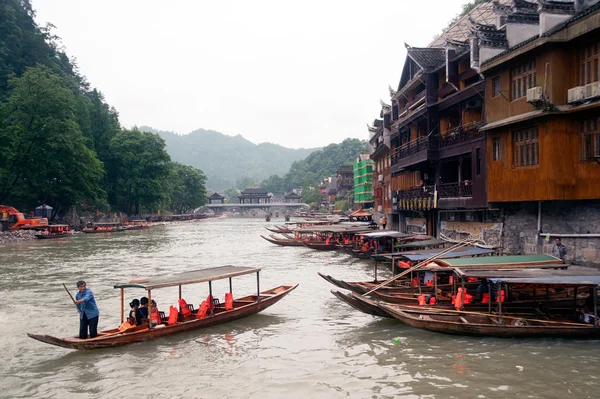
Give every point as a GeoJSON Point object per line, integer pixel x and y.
{"type": "Point", "coordinates": [270, 207]}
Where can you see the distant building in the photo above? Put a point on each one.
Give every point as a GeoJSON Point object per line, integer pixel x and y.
{"type": "Point", "coordinates": [363, 182]}
{"type": "Point", "coordinates": [216, 198]}
{"type": "Point", "coordinates": [254, 196]}
{"type": "Point", "coordinates": [344, 182]}
{"type": "Point", "coordinates": [293, 198]}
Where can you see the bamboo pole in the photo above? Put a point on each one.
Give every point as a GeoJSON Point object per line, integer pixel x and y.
{"type": "Point", "coordinates": [422, 263]}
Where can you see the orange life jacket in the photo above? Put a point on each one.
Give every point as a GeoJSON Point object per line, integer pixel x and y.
{"type": "Point", "coordinates": [429, 283]}
{"type": "Point", "coordinates": [422, 300]}
{"type": "Point", "coordinates": [415, 282]}
{"type": "Point", "coordinates": [432, 301]}
{"type": "Point", "coordinates": [500, 296]}
{"type": "Point", "coordinates": [155, 316]}
{"type": "Point", "coordinates": [458, 301]}
{"type": "Point", "coordinates": [202, 311]}
{"type": "Point", "coordinates": [403, 265]}
{"type": "Point", "coordinates": [173, 315]}
{"type": "Point", "coordinates": [228, 301]}
{"type": "Point", "coordinates": [126, 325]}
{"type": "Point", "coordinates": [185, 309]}
{"type": "Point", "coordinates": [485, 298]}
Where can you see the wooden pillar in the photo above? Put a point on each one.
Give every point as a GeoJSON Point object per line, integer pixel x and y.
{"type": "Point", "coordinates": [122, 304]}
{"type": "Point", "coordinates": [149, 309]}
{"type": "Point", "coordinates": [258, 286]}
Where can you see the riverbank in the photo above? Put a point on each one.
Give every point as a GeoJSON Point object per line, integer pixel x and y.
{"type": "Point", "coordinates": [16, 235]}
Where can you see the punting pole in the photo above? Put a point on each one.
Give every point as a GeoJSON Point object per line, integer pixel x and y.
{"type": "Point", "coordinates": [122, 304]}
{"type": "Point", "coordinates": [490, 297]}
{"type": "Point", "coordinates": [258, 286]}
{"type": "Point", "coordinates": [149, 309]}
{"type": "Point", "coordinates": [435, 285]}
{"type": "Point", "coordinates": [230, 286]}
{"type": "Point", "coordinates": [180, 292]}
{"type": "Point", "coordinates": [211, 306]}
{"type": "Point", "coordinates": [376, 269]}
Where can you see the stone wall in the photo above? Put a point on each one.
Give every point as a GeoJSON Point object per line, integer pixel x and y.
{"type": "Point", "coordinates": [520, 235]}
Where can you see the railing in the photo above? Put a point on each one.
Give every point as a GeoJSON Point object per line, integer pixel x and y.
{"type": "Point", "coordinates": [459, 135]}
{"type": "Point", "coordinates": [410, 148]}
{"type": "Point", "coordinates": [456, 190]}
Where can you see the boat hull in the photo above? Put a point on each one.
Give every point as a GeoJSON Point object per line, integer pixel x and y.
{"type": "Point", "coordinates": [112, 338]}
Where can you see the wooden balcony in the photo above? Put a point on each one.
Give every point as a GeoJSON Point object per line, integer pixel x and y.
{"type": "Point", "coordinates": [455, 190]}
{"type": "Point", "coordinates": [458, 140]}
{"type": "Point", "coordinates": [413, 152]}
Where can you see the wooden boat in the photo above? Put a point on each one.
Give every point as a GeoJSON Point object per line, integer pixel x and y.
{"type": "Point", "coordinates": [508, 325]}
{"type": "Point", "coordinates": [363, 306]}
{"type": "Point", "coordinates": [104, 227]}
{"type": "Point", "coordinates": [278, 229]}
{"type": "Point", "coordinates": [320, 245]}
{"type": "Point", "coordinates": [491, 325]}
{"type": "Point", "coordinates": [242, 307]}
{"type": "Point", "coordinates": [284, 242]}
{"type": "Point", "coordinates": [54, 231]}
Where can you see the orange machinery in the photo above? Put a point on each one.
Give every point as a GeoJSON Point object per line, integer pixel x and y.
{"type": "Point", "coordinates": [16, 220]}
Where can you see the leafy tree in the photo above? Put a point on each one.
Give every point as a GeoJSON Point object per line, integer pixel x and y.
{"type": "Point", "coordinates": [311, 196]}
{"type": "Point", "coordinates": [231, 194]}
{"type": "Point", "coordinates": [342, 205]}
{"type": "Point", "coordinates": [187, 189]}
{"type": "Point", "coordinates": [44, 156]}
{"type": "Point", "coordinates": [245, 182]}
{"type": "Point", "coordinates": [141, 167]}
{"type": "Point", "coordinates": [274, 184]}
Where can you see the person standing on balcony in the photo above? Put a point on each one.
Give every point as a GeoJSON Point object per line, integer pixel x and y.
{"type": "Point", "coordinates": [383, 222]}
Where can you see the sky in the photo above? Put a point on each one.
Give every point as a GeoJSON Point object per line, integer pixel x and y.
{"type": "Point", "coordinates": [296, 73]}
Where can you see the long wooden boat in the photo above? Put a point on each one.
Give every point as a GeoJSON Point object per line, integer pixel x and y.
{"type": "Point", "coordinates": [53, 235]}
{"type": "Point", "coordinates": [242, 307]}
{"type": "Point", "coordinates": [54, 231]}
{"type": "Point", "coordinates": [320, 246]}
{"type": "Point", "coordinates": [491, 325]}
{"type": "Point", "coordinates": [360, 305]}
{"type": "Point", "coordinates": [284, 242]}
{"type": "Point", "coordinates": [278, 229]}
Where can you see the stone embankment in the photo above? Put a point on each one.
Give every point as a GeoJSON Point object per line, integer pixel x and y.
{"type": "Point", "coordinates": [16, 235]}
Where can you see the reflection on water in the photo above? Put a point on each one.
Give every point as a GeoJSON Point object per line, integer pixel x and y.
{"type": "Point", "coordinates": [310, 344]}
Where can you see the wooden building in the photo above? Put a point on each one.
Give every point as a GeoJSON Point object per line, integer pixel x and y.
{"type": "Point", "coordinates": [292, 198]}
{"type": "Point", "coordinates": [437, 150]}
{"type": "Point", "coordinates": [216, 198]}
{"type": "Point", "coordinates": [542, 104]}
{"type": "Point", "coordinates": [379, 142]}
{"type": "Point", "coordinates": [345, 183]}
{"type": "Point", "coordinates": [254, 196]}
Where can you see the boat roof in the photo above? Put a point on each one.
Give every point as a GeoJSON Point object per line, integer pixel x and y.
{"type": "Point", "coordinates": [334, 228]}
{"type": "Point", "coordinates": [380, 234]}
{"type": "Point", "coordinates": [428, 253]}
{"type": "Point", "coordinates": [105, 223]}
{"type": "Point", "coordinates": [537, 276]}
{"type": "Point", "coordinates": [56, 225]}
{"type": "Point", "coordinates": [499, 261]}
{"type": "Point", "coordinates": [359, 213]}
{"type": "Point", "coordinates": [422, 243]}
{"type": "Point", "coordinates": [191, 277]}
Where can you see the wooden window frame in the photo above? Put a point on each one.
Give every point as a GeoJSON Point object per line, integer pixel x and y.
{"type": "Point", "coordinates": [496, 87]}
{"type": "Point", "coordinates": [589, 58]}
{"type": "Point", "coordinates": [526, 148]}
{"type": "Point", "coordinates": [522, 78]}
{"type": "Point", "coordinates": [496, 148]}
{"type": "Point", "coordinates": [589, 140]}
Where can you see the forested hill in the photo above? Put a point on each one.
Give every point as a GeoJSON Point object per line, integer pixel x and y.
{"type": "Point", "coordinates": [227, 161]}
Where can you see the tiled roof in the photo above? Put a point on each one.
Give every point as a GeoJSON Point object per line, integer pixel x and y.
{"type": "Point", "coordinates": [292, 195]}
{"type": "Point", "coordinates": [216, 196]}
{"type": "Point", "coordinates": [254, 191]}
{"type": "Point", "coordinates": [428, 58]}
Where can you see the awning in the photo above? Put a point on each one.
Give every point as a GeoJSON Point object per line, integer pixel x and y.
{"type": "Point", "coordinates": [191, 277]}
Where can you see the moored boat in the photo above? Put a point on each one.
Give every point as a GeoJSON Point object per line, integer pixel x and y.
{"type": "Point", "coordinates": [215, 312]}
{"type": "Point", "coordinates": [284, 242]}
{"type": "Point", "coordinates": [54, 231]}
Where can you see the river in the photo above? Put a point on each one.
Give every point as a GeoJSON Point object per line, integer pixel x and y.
{"type": "Point", "coordinates": [308, 345]}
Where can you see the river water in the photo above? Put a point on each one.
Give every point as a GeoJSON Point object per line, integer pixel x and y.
{"type": "Point", "coordinates": [308, 345]}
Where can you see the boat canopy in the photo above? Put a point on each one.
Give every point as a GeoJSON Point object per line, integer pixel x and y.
{"type": "Point", "coordinates": [500, 261]}
{"type": "Point", "coordinates": [393, 234]}
{"type": "Point", "coordinates": [106, 223]}
{"type": "Point", "coordinates": [335, 228]}
{"type": "Point", "coordinates": [537, 276]}
{"type": "Point", "coordinates": [422, 244]}
{"type": "Point", "coordinates": [428, 253]}
{"type": "Point", "coordinates": [359, 213]}
{"type": "Point", "coordinates": [191, 277]}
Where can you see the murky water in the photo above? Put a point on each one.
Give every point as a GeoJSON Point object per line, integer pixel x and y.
{"type": "Point", "coordinates": [308, 345]}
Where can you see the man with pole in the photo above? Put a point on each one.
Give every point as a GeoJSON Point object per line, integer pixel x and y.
{"type": "Point", "coordinates": [88, 311]}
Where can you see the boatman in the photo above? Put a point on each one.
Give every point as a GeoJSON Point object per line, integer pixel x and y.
{"type": "Point", "coordinates": [88, 311]}
{"type": "Point", "coordinates": [559, 250]}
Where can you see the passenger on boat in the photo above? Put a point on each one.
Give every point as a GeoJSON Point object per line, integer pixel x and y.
{"type": "Point", "coordinates": [141, 314]}
{"type": "Point", "coordinates": [134, 305]}
{"type": "Point", "coordinates": [88, 311]}
{"type": "Point", "coordinates": [155, 316]}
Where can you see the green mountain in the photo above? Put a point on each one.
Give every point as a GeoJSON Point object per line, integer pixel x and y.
{"type": "Point", "coordinates": [226, 160]}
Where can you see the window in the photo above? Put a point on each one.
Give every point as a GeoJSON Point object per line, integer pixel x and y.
{"type": "Point", "coordinates": [588, 64]}
{"type": "Point", "coordinates": [589, 146]}
{"type": "Point", "coordinates": [523, 78]}
{"type": "Point", "coordinates": [526, 148]}
{"type": "Point", "coordinates": [496, 86]}
{"type": "Point", "coordinates": [496, 149]}
{"type": "Point", "coordinates": [478, 161]}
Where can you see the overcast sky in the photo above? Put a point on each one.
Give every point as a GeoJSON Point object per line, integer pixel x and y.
{"type": "Point", "coordinates": [300, 74]}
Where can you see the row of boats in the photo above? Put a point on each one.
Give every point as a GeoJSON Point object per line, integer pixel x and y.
{"type": "Point", "coordinates": [63, 230]}
{"type": "Point", "coordinates": [458, 288]}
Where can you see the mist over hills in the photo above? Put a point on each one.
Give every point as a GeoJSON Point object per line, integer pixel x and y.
{"type": "Point", "coordinates": [226, 159]}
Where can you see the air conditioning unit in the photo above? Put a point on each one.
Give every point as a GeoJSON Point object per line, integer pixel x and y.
{"type": "Point", "coordinates": [576, 94]}
{"type": "Point", "coordinates": [380, 178]}
{"type": "Point", "coordinates": [592, 90]}
{"type": "Point", "coordinates": [535, 94]}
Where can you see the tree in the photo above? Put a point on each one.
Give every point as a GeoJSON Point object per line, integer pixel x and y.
{"type": "Point", "coordinates": [231, 195]}
{"type": "Point", "coordinates": [311, 196]}
{"type": "Point", "coordinates": [274, 184]}
{"type": "Point", "coordinates": [187, 188]}
{"type": "Point", "coordinates": [245, 182]}
{"type": "Point", "coordinates": [44, 156]}
{"type": "Point", "coordinates": [141, 167]}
